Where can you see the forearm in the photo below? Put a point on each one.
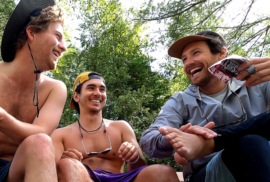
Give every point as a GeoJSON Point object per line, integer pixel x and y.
{"type": "Point", "coordinates": [156, 145]}
{"type": "Point", "coordinates": [15, 129]}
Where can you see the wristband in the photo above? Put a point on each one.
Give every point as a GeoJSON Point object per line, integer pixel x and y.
{"type": "Point", "coordinates": [135, 160]}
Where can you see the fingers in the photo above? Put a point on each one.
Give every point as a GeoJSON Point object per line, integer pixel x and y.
{"type": "Point", "coordinates": [128, 152]}
{"type": "Point", "coordinates": [262, 74]}
{"type": "Point", "coordinates": [255, 61]}
{"type": "Point", "coordinates": [209, 125]}
{"type": "Point", "coordinates": [203, 131]}
{"type": "Point", "coordinates": [185, 127]}
{"type": "Point", "coordinates": [72, 153]}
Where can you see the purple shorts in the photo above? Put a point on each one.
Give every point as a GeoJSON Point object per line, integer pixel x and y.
{"type": "Point", "coordinates": [99, 175]}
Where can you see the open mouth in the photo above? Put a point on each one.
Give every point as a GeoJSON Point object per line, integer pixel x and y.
{"type": "Point", "coordinates": [196, 70]}
{"type": "Point", "coordinates": [96, 101]}
{"type": "Point", "coordinates": [56, 54]}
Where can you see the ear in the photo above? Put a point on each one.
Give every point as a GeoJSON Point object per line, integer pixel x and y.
{"type": "Point", "coordinates": [30, 33]}
{"type": "Point", "coordinates": [76, 97]}
{"type": "Point", "coordinates": [223, 53]}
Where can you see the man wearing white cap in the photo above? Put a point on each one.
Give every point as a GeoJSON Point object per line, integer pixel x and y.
{"type": "Point", "coordinates": [209, 99]}
{"type": "Point", "coordinates": [31, 103]}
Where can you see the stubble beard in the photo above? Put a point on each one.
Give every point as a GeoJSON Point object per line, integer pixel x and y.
{"type": "Point", "coordinates": [203, 82]}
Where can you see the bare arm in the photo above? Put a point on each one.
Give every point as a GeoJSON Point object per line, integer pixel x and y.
{"type": "Point", "coordinates": [57, 138]}
{"type": "Point", "coordinates": [47, 121]}
{"type": "Point", "coordinates": [130, 149]}
{"type": "Point", "coordinates": [58, 143]}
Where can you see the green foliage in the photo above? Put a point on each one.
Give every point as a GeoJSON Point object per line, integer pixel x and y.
{"type": "Point", "coordinates": [112, 45]}
{"type": "Point", "coordinates": [6, 9]}
{"type": "Point", "coordinates": [185, 17]}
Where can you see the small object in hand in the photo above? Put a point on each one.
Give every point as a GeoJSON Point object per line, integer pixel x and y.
{"type": "Point", "coordinates": [226, 68]}
{"type": "Point", "coordinates": [251, 70]}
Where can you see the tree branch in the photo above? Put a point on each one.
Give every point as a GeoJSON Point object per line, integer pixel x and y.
{"type": "Point", "coordinates": [172, 13]}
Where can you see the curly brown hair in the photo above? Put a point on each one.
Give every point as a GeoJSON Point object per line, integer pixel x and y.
{"type": "Point", "coordinates": [40, 23]}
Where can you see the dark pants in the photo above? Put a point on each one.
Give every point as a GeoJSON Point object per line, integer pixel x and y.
{"type": "Point", "coordinates": [4, 168]}
{"type": "Point", "coordinates": [246, 150]}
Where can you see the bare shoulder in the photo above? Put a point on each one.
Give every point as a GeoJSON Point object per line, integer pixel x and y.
{"type": "Point", "coordinates": [121, 124]}
{"type": "Point", "coordinates": [63, 132]}
{"type": "Point", "coordinates": [53, 83]}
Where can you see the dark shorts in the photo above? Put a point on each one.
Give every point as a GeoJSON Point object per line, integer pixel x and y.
{"type": "Point", "coordinates": [4, 168]}
{"type": "Point", "coordinates": [99, 175]}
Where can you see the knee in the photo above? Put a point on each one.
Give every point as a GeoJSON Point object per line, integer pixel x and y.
{"type": "Point", "coordinates": [68, 164]}
{"type": "Point", "coordinates": [38, 145]}
{"type": "Point", "coordinates": [247, 145]}
{"type": "Point", "coordinates": [163, 173]}
{"type": "Point", "coordinates": [252, 140]}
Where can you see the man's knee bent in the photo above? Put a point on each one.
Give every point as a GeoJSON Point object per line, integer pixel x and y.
{"type": "Point", "coordinates": [67, 164]}
{"type": "Point", "coordinates": [252, 140]}
{"type": "Point", "coordinates": [163, 172]}
{"type": "Point", "coordinates": [38, 144]}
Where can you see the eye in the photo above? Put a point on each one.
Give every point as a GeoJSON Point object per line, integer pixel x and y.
{"type": "Point", "coordinates": [184, 60]}
{"type": "Point", "coordinates": [102, 89]}
{"type": "Point", "coordinates": [58, 36]}
{"type": "Point", "coordinates": [196, 52]}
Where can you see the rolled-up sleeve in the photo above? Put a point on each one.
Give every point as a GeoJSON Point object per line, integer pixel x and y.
{"type": "Point", "coordinates": [152, 142]}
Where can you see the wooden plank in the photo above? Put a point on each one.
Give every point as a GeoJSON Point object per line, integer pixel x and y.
{"type": "Point", "coordinates": [180, 176]}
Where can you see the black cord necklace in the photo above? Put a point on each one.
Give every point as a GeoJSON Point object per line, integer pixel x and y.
{"type": "Point", "coordinates": [36, 82]}
{"type": "Point", "coordinates": [80, 127]}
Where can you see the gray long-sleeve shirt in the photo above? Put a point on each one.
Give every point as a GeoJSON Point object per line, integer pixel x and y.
{"type": "Point", "coordinates": [184, 107]}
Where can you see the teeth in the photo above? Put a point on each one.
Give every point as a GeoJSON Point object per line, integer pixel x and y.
{"type": "Point", "coordinates": [96, 101]}
{"type": "Point", "coordinates": [55, 54]}
{"type": "Point", "coordinates": [194, 69]}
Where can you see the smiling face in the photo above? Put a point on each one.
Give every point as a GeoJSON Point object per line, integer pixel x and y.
{"type": "Point", "coordinates": [92, 97]}
{"type": "Point", "coordinates": [196, 58]}
{"type": "Point", "coordinates": [48, 46]}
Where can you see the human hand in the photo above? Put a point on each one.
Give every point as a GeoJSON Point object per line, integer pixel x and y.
{"type": "Point", "coordinates": [128, 152]}
{"type": "Point", "coordinates": [205, 131]}
{"type": "Point", "coordinates": [261, 74]}
{"type": "Point", "coordinates": [72, 153]}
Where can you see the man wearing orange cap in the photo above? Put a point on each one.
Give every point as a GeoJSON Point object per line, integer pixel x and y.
{"type": "Point", "coordinates": [209, 99]}
{"type": "Point", "coordinates": [95, 148]}
{"type": "Point", "coordinates": [31, 103]}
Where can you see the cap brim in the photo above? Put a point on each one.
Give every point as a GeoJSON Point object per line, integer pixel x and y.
{"type": "Point", "coordinates": [177, 47]}
{"type": "Point", "coordinates": [16, 22]}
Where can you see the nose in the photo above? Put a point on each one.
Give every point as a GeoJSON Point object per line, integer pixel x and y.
{"type": "Point", "coordinates": [97, 92]}
{"type": "Point", "coordinates": [188, 64]}
{"type": "Point", "coordinates": [62, 46]}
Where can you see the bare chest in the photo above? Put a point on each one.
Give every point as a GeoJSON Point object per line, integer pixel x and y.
{"type": "Point", "coordinates": [95, 143]}
{"type": "Point", "coordinates": [18, 100]}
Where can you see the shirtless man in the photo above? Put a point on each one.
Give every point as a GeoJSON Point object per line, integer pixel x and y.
{"type": "Point", "coordinates": [96, 149]}
{"type": "Point", "coordinates": [26, 150]}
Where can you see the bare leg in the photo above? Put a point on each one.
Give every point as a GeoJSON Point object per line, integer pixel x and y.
{"type": "Point", "coordinates": [70, 170]}
{"type": "Point", "coordinates": [34, 160]}
{"type": "Point", "coordinates": [187, 146]}
{"type": "Point", "coordinates": [157, 173]}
